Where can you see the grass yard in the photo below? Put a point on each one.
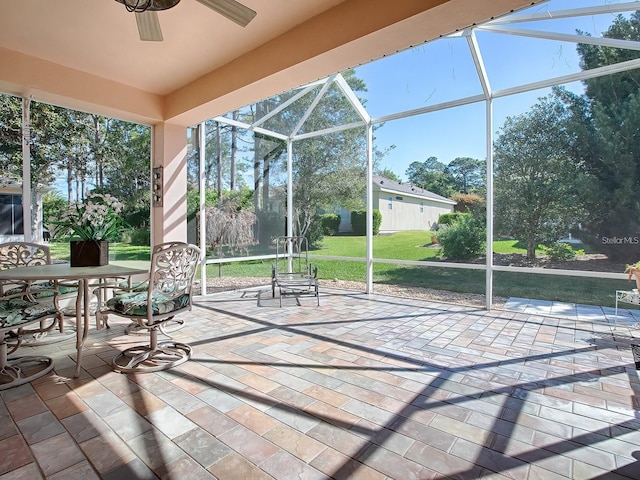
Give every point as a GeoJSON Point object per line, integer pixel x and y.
{"type": "Point", "coordinates": [409, 246]}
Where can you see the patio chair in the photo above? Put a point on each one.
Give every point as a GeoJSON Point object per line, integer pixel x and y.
{"type": "Point", "coordinates": [120, 286]}
{"type": "Point", "coordinates": [293, 274]}
{"type": "Point", "coordinates": [167, 294]}
{"type": "Point", "coordinates": [26, 254]}
{"type": "Point", "coordinates": [17, 312]}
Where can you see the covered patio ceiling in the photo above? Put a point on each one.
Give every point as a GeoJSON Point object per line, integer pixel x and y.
{"type": "Point", "coordinates": [86, 54]}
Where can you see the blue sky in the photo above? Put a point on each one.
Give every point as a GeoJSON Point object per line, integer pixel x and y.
{"type": "Point", "coordinates": [441, 71]}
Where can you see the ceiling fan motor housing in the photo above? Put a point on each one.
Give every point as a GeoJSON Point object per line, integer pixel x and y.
{"type": "Point", "coordinates": [140, 6]}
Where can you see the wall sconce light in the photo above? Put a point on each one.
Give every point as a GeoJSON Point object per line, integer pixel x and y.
{"type": "Point", "coordinates": [156, 187]}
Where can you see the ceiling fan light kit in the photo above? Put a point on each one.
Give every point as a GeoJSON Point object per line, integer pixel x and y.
{"type": "Point", "coordinates": [147, 18]}
{"type": "Point", "coordinates": [140, 6]}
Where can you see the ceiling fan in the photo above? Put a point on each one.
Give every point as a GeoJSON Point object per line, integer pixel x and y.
{"type": "Point", "coordinates": [147, 17]}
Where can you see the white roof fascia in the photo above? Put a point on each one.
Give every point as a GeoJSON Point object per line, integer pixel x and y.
{"type": "Point", "coordinates": [415, 195]}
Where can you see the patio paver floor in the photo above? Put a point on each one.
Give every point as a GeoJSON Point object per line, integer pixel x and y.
{"type": "Point", "coordinates": [362, 387]}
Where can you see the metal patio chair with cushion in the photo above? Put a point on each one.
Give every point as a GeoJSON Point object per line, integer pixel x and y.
{"type": "Point", "coordinates": [26, 254]}
{"type": "Point", "coordinates": [16, 313]}
{"type": "Point", "coordinates": [120, 286]}
{"type": "Point", "coordinates": [168, 293]}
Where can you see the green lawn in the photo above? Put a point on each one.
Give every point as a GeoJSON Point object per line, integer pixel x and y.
{"type": "Point", "coordinates": [410, 246]}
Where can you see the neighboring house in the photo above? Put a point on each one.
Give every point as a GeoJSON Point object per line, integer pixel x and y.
{"type": "Point", "coordinates": [403, 207]}
{"type": "Point", "coordinates": [11, 214]}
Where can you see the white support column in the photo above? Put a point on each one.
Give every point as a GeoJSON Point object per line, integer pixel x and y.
{"type": "Point", "coordinates": [369, 209]}
{"type": "Point", "coordinates": [26, 169]}
{"type": "Point", "coordinates": [289, 202]}
{"type": "Point", "coordinates": [489, 272]}
{"type": "Point", "coordinates": [289, 188]}
{"type": "Point", "coordinates": [202, 131]}
{"type": "Point", "coordinates": [486, 89]}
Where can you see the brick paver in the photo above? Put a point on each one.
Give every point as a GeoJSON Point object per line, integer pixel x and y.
{"type": "Point", "coordinates": [363, 386]}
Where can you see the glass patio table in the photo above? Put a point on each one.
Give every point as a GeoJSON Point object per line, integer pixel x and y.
{"type": "Point", "coordinates": [64, 271]}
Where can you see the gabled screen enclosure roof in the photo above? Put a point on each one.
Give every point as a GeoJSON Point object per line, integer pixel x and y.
{"type": "Point", "coordinates": [476, 59]}
{"type": "Point", "coordinates": [489, 61]}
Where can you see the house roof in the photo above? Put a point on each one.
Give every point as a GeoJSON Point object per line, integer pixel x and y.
{"type": "Point", "coordinates": [86, 54]}
{"type": "Point", "coordinates": [387, 185]}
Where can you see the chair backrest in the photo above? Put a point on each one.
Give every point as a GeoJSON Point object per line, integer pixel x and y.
{"type": "Point", "coordinates": [292, 255]}
{"type": "Point", "coordinates": [23, 254]}
{"type": "Point", "coordinates": [173, 269]}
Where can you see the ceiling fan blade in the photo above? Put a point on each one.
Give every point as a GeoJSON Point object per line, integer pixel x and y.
{"type": "Point", "coordinates": [149, 26]}
{"type": "Point", "coordinates": [231, 9]}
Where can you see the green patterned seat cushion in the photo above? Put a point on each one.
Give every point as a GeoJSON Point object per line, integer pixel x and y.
{"type": "Point", "coordinates": [135, 286]}
{"type": "Point", "coordinates": [17, 311]}
{"type": "Point", "coordinates": [43, 289]}
{"type": "Point", "coordinates": [135, 303]}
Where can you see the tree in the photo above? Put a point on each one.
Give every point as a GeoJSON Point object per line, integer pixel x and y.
{"type": "Point", "coordinates": [390, 174]}
{"type": "Point", "coordinates": [538, 187]}
{"type": "Point", "coordinates": [229, 224]}
{"type": "Point", "coordinates": [606, 124]}
{"type": "Point", "coordinates": [126, 175]}
{"type": "Point", "coordinates": [50, 130]}
{"type": "Point", "coordinates": [467, 173]}
{"type": "Point", "coordinates": [97, 153]}
{"type": "Point", "coordinates": [431, 175]}
{"type": "Point", "coordinates": [327, 170]}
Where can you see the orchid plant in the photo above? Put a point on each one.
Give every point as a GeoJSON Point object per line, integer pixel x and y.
{"type": "Point", "coordinates": [96, 218]}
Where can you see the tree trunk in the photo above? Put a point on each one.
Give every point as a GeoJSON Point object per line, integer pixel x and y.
{"type": "Point", "coordinates": [98, 153]}
{"type": "Point", "coordinates": [69, 183]}
{"type": "Point", "coordinates": [234, 150]}
{"type": "Point", "coordinates": [256, 163]}
{"type": "Point", "coordinates": [265, 181]}
{"type": "Point", "coordinates": [531, 249]}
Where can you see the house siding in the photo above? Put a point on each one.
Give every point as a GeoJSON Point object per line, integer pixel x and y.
{"type": "Point", "coordinates": [405, 214]}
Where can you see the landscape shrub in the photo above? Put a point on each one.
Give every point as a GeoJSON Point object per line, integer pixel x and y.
{"type": "Point", "coordinates": [561, 252]}
{"type": "Point", "coordinates": [464, 239]}
{"type": "Point", "coordinates": [330, 223]}
{"type": "Point", "coordinates": [451, 218]}
{"type": "Point", "coordinates": [140, 236]}
{"type": "Point", "coordinates": [468, 202]}
{"type": "Point", "coordinates": [359, 221]}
